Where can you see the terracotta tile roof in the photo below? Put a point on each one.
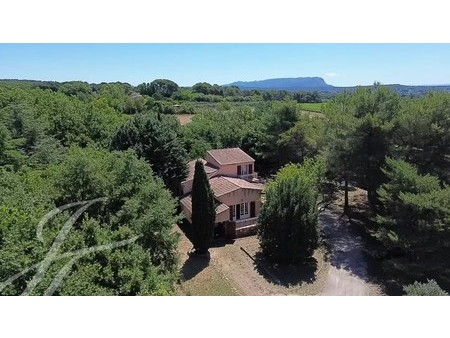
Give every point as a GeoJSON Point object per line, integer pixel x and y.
{"type": "Point", "coordinates": [244, 184]}
{"type": "Point", "coordinates": [230, 156]}
{"type": "Point", "coordinates": [187, 202]}
{"type": "Point", "coordinates": [209, 169]}
{"type": "Point", "coordinates": [222, 208]}
{"type": "Point", "coordinates": [220, 186]}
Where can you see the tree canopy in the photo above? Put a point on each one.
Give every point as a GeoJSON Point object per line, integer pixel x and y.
{"type": "Point", "coordinates": [287, 225]}
{"type": "Point", "coordinates": [136, 205]}
{"type": "Point", "coordinates": [55, 149]}
{"type": "Point", "coordinates": [159, 142]}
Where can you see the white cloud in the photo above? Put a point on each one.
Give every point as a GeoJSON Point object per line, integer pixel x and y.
{"type": "Point", "coordinates": [331, 74]}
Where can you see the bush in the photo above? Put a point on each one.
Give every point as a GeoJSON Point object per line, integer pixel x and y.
{"type": "Point", "coordinates": [287, 225]}
{"type": "Point", "coordinates": [431, 288]}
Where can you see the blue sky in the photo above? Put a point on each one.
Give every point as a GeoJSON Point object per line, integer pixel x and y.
{"type": "Point", "coordinates": [187, 64]}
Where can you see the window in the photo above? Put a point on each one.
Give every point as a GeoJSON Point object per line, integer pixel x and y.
{"type": "Point", "coordinates": [244, 209]}
{"type": "Point", "coordinates": [233, 211]}
{"type": "Point", "coordinates": [244, 169]}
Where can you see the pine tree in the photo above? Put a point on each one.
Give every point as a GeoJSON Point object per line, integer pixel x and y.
{"type": "Point", "coordinates": [203, 211]}
{"type": "Point", "coordinates": [416, 210]}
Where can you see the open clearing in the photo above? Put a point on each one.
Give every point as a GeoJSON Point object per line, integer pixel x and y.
{"type": "Point", "coordinates": [236, 267]}
{"type": "Point", "coordinates": [315, 107]}
{"type": "Point", "coordinates": [231, 271]}
{"type": "Point", "coordinates": [184, 118]}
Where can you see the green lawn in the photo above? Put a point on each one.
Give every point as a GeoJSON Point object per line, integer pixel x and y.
{"type": "Point", "coordinates": [315, 107]}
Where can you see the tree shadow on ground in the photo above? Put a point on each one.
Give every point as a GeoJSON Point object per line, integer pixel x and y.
{"type": "Point", "coordinates": [286, 275]}
{"type": "Point", "coordinates": [390, 268]}
{"type": "Point", "coordinates": [351, 247]}
{"type": "Point", "coordinates": [218, 241]}
{"type": "Point", "coordinates": [194, 265]}
{"type": "Point", "coordinates": [347, 245]}
{"type": "Point", "coordinates": [393, 268]}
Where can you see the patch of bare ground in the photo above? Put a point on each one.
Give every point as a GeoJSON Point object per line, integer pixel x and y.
{"type": "Point", "coordinates": [236, 268]}
{"type": "Point", "coordinates": [351, 266]}
{"type": "Point", "coordinates": [185, 118]}
{"type": "Point", "coordinates": [312, 113]}
{"type": "Point", "coordinates": [298, 279]}
{"type": "Point", "coordinates": [340, 267]}
{"type": "Point", "coordinates": [199, 277]}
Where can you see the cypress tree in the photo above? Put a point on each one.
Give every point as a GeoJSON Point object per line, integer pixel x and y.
{"type": "Point", "coordinates": [203, 211]}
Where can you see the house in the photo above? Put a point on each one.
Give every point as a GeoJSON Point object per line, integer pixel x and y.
{"type": "Point", "coordinates": [236, 188]}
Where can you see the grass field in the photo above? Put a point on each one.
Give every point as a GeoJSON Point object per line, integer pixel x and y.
{"type": "Point", "coordinates": [315, 107]}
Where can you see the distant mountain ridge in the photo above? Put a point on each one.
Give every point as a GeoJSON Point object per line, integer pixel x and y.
{"type": "Point", "coordinates": [319, 84]}
{"type": "Point", "coordinates": [289, 84]}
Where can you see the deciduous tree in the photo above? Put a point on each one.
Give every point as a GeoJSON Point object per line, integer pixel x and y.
{"type": "Point", "coordinates": [159, 142]}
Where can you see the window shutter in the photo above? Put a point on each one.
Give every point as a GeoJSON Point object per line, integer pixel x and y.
{"type": "Point", "coordinates": [239, 170]}
{"type": "Point", "coordinates": [250, 168]}
{"type": "Point", "coordinates": [252, 209]}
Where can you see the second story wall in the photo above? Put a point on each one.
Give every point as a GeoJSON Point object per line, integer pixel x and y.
{"type": "Point", "coordinates": [240, 196]}
{"type": "Point", "coordinates": [233, 171]}
{"type": "Point", "coordinates": [211, 160]}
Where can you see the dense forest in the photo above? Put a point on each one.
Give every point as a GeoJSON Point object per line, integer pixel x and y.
{"type": "Point", "coordinates": [68, 142]}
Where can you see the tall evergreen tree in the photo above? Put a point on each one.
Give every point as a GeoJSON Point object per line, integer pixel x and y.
{"type": "Point", "coordinates": [416, 211]}
{"type": "Point", "coordinates": [358, 138]}
{"type": "Point", "coordinates": [422, 134]}
{"type": "Point", "coordinates": [340, 152]}
{"type": "Point", "coordinates": [415, 221]}
{"type": "Point", "coordinates": [203, 211]}
{"type": "Point", "coordinates": [371, 141]}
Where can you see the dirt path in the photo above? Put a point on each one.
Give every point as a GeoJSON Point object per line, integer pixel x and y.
{"type": "Point", "coordinates": [348, 274]}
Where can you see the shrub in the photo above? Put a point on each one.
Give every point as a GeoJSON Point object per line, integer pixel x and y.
{"type": "Point", "coordinates": [431, 288]}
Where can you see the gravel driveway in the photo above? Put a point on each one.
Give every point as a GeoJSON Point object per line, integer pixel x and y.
{"type": "Point", "coordinates": [347, 275]}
